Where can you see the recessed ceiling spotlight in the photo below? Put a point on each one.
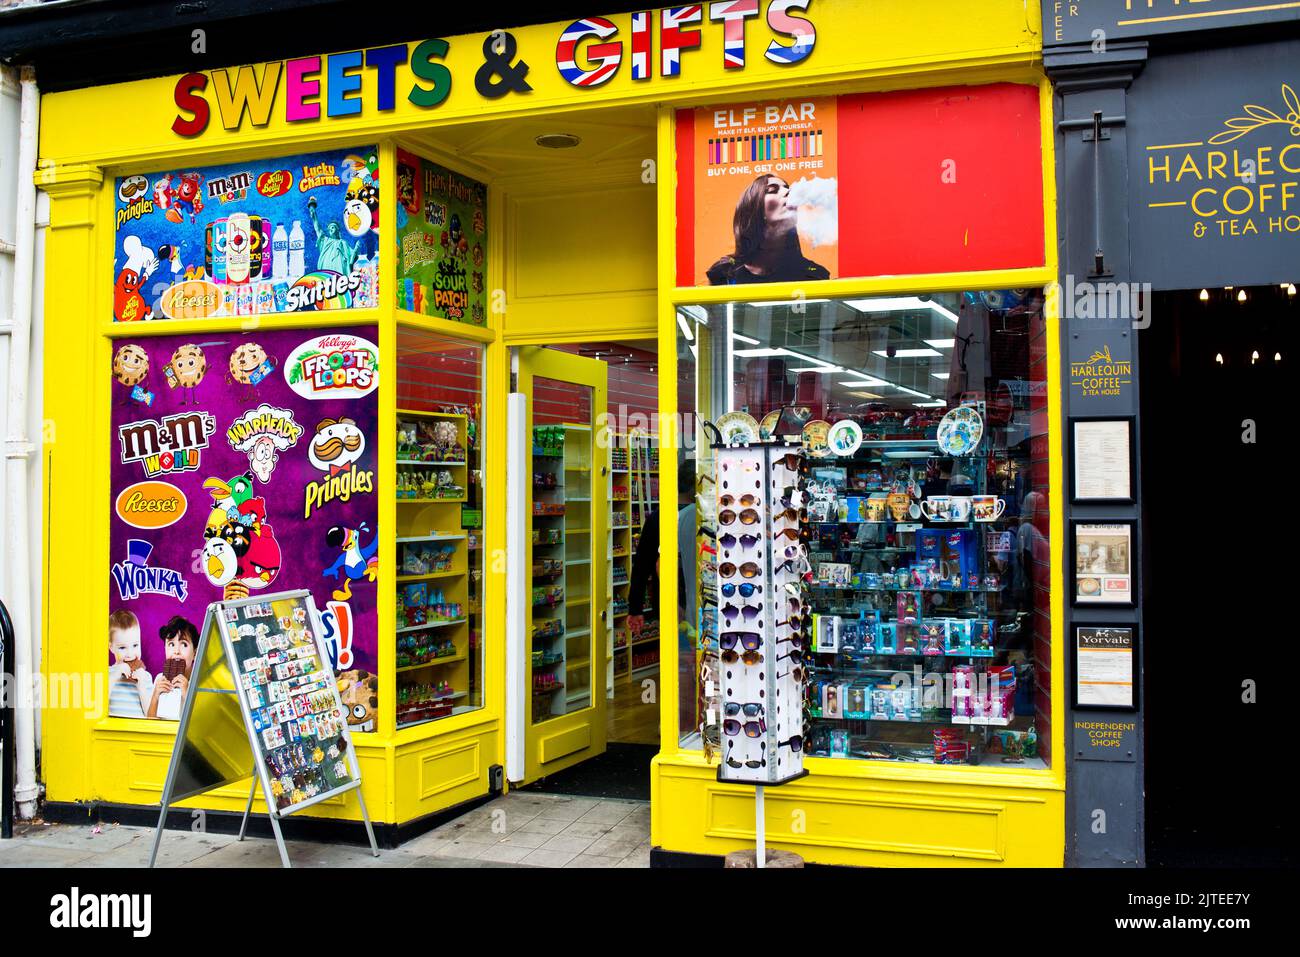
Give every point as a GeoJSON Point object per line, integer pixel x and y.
{"type": "Point", "coordinates": [558, 141]}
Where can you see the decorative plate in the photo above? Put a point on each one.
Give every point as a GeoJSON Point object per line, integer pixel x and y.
{"type": "Point", "coordinates": [737, 428]}
{"type": "Point", "coordinates": [844, 437]}
{"type": "Point", "coordinates": [815, 435]}
{"type": "Point", "coordinates": [960, 431]}
{"type": "Point", "coordinates": [767, 428]}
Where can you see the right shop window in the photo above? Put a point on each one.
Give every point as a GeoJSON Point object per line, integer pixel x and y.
{"type": "Point", "coordinates": [923, 518]}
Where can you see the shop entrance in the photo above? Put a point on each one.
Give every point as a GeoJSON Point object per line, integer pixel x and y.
{"type": "Point", "coordinates": [1218, 374]}
{"type": "Point", "coordinates": [594, 483]}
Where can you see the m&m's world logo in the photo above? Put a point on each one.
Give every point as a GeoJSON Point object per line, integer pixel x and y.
{"type": "Point", "coordinates": [275, 183]}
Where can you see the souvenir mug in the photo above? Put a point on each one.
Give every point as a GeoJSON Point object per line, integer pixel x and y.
{"type": "Point", "coordinates": [899, 503]}
{"type": "Point", "coordinates": [937, 508]}
{"type": "Point", "coordinates": [876, 508]}
{"type": "Point", "coordinates": [987, 508]}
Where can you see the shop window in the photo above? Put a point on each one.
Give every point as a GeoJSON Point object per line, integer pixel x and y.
{"type": "Point", "coordinates": [439, 488]}
{"type": "Point", "coordinates": [923, 424]}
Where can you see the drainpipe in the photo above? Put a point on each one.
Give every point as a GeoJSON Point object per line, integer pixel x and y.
{"type": "Point", "coordinates": [18, 450]}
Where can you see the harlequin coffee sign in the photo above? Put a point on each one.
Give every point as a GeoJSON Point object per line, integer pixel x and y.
{"type": "Point", "coordinates": [1101, 374]}
{"type": "Point", "coordinates": [333, 367]}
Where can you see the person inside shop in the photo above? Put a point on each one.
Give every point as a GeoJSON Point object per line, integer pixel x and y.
{"type": "Point", "coordinates": [767, 239]}
{"type": "Point", "coordinates": [644, 580]}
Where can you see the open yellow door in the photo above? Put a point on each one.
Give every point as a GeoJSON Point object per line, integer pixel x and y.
{"type": "Point", "coordinates": [568, 514]}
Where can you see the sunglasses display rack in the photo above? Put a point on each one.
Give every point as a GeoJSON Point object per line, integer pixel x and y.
{"type": "Point", "coordinates": [760, 597]}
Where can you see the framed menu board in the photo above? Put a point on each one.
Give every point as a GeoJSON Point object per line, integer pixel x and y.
{"type": "Point", "coordinates": [264, 702]}
{"type": "Point", "coordinates": [1102, 460]}
{"type": "Point", "coordinates": [1105, 667]}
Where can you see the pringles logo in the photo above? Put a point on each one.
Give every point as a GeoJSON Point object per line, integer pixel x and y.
{"type": "Point", "coordinates": [333, 367]}
{"type": "Point", "coordinates": [151, 505]}
{"type": "Point", "coordinates": [275, 183]}
{"type": "Point", "coordinates": [1100, 374]}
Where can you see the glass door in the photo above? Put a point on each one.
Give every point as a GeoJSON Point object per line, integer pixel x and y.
{"type": "Point", "coordinates": [568, 591]}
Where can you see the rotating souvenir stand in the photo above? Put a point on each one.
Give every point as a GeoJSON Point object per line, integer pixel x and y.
{"type": "Point", "coordinates": [264, 699]}
{"type": "Point", "coordinates": [759, 633]}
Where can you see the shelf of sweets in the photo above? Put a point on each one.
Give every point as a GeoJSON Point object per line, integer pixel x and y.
{"type": "Point", "coordinates": [431, 663]}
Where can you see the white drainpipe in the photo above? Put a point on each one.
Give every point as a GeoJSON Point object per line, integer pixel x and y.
{"type": "Point", "coordinates": [18, 450]}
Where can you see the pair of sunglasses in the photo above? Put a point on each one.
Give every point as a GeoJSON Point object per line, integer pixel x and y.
{"type": "Point", "coordinates": [752, 729]}
{"type": "Point", "coordinates": [795, 743]}
{"type": "Point", "coordinates": [746, 589]}
{"type": "Point", "coordinates": [794, 533]}
{"type": "Point", "coordinates": [789, 564]}
{"type": "Point", "coordinates": [733, 763]}
{"type": "Point", "coordinates": [747, 570]}
{"type": "Point", "coordinates": [791, 461]}
{"type": "Point", "coordinates": [731, 541]}
{"type": "Point", "coordinates": [747, 499]}
{"type": "Point", "coordinates": [798, 674]}
{"type": "Point", "coordinates": [747, 517]}
{"type": "Point", "coordinates": [793, 514]}
{"type": "Point", "coordinates": [752, 709]}
{"type": "Point", "coordinates": [749, 640]}
{"type": "Point", "coordinates": [749, 612]}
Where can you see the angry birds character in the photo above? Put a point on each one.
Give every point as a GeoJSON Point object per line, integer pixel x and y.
{"type": "Point", "coordinates": [249, 364]}
{"type": "Point", "coordinates": [186, 198]}
{"type": "Point", "coordinates": [128, 304]}
{"type": "Point", "coordinates": [187, 368]}
{"type": "Point", "coordinates": [223, 549]}
{"type": "Point", "coordinates": [337, 444]}
{"type": "Point", "coordinates": [357, 561]}
{"type": "Point", "coordinates": [359, 692]}
{"type": "Point", "coordinates": [361, 215]}
{"type": "Point", "coordinates": [234, 501]}
{"type": "Point", "coordinates": [130, 365]}
{"type": "Point", "coordinates": [261, 563]}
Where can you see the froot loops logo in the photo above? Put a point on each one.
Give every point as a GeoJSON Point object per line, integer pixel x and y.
{"type": "Point", "coordinates": [334, 366]}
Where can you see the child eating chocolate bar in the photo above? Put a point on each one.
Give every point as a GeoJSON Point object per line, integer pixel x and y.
{"type": "Point", "coordinates": [180, 640]}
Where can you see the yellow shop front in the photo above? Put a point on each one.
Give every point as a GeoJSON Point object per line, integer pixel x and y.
{"type": "Point", "coordinates": [363, 324]}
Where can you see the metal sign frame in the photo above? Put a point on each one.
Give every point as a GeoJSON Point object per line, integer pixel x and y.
{"type": "Point", "coordinates": [215, 615]}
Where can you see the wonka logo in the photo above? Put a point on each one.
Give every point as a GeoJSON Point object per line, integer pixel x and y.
{"type": "Point", "coordinates": [74, 910]}
{"type": "Point", "coordinates": [134, 576]}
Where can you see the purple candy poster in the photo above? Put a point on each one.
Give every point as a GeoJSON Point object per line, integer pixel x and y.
{"type": "Point", "coordinates": [242, 462]}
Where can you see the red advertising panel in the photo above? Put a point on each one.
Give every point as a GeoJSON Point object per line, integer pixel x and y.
{"type": "Point", "coordinates": [921, 181]}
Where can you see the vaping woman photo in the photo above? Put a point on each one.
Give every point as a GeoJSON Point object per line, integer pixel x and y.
{"type": "Point", "coordinates": [767, 241]}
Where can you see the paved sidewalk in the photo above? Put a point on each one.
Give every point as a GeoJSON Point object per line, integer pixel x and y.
{"type": "Point", "coordinates": [519, 829]}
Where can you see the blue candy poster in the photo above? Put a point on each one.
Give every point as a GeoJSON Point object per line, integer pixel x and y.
{"type": "Point", "coordinates": [245, 239]}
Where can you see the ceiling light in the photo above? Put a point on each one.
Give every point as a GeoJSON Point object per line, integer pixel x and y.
{"type": "Point", "coordinates": [940, 375]}
{"type": "Point", "coordinates": [940, 343]}
{"type": "Point", "coordinates": [1218, 357]}
{"type": "Point", "coordinates": [558, 141]}
{"type": "Point", "coordinates": [739, 338]}
{"type": "Point", "coordinates": [930, 405]}
{"type": "Point", "coordinates": [865, 380]}
{"type": "Point", "coordinates": [1241, 296]}
{"type": "Point", "coordinates": [685, 327]}
{"type": "Point", "coordinates": [758, 353]}
{"type": "Point", "coordinates": [824, 370]}
{"type": "Point", "coordinates": [900, 304]}
{"type": "Point", "coordinates": [906, 455]}
{"type": "Point", "coordinates": [866, 395]}
{"type": "Point", "coordinates": [1290, 289]}
{"type": "Point", "coordinates": [1254, 357]}
{"type": "Point", "coordinates": [913, 392]}
{"type": "Point", "coordinates": [905, 353]}
{"type": "Point", "coordinates": [1205, 295]}
{"type": "Point", "coordinates": [1277, 357]}
{"type": "Point", "coordinates": [786, 302]}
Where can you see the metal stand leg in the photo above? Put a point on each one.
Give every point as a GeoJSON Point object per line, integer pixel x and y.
{"type": "Point", "coordinates": [760, 832]}
{"type": "Point", "coordinates": [370, 831]}
{"type": "Point", "coordinates": [243, 825]}
{"type": "Point", "coordinates": [157, 834]}
{"type": "Point", "coordinates": [279, 841]}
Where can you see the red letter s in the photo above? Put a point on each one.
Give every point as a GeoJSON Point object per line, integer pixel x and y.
{"type": "Point", "coordinates": [187, 97]}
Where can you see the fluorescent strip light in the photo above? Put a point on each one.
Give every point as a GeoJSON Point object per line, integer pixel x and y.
{"type": "Point", "coordinates": [698, 313]}
{"type": "Point", "coordinates": [907, 455]}
{"type": "Point", "coordinates": [865, 395]}
{"type": "Point", "coordinates": [940, 375]}
{"type": "Point", "coordinates": [758, 353]}
{"type": "Point", "coordinates": [913, 392]}
{"type": "Point", "coordinates": [685, 327]}
{"type": "Point", "coordinates": [865, 380]}
{"type": "Point", "coordinates": [739, 338]}
{"type": "Point", "coordinates": [787, 302]}
{"type": "Point", "coordinates": [900, 304]}
{"type": "Point", "coordinates": [824, 370]}
{"type": "Point", "coordinates": [940, 343]}
{"type": "Point", "coordinates": [906, 353]}
{"type": "Point", "coordinates": [929, 405]}
{"type": "Point", "coordinates": [803, 355]}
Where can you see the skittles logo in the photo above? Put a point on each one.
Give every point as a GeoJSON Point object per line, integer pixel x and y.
{"type": "Point", "coordinates": [322, 290]}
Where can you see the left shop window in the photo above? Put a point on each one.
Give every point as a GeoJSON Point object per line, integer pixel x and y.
{"type": "Point", "coordinates": [439, 489]}
{"type": "Point", "coordinates": [288, 234]}
{"type": "Point", "coordinates": [242, 464]}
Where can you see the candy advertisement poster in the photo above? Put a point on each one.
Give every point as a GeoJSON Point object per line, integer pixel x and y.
{"type": "Point", "coordinates": [255, 238]}
{"type": "Point", "coordinates": [441, 242]}
{"type": "Point", "coordinates": [241, 462]}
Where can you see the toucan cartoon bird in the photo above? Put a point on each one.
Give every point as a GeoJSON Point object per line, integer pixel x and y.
{"type": "Point", "coordinates": [356, 562]}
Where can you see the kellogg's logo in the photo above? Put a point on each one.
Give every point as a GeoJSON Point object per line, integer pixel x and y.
{"type": "Point", "coordinates": [275, 183]}
{"type": "Point", "coordinates": [151, 505]}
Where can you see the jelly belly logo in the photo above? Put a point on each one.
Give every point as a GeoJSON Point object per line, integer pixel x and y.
{"type": "Point", "coordinates": [1101, 375]}
{"type": "Point", "coordinates": [191, 299]}
{"type": "Point", "coordinates": [333, 367]}
{"type": "Point", "coordinates": [275, 183]}
{"type": "Point", "coordinates": [135, 576]}
{"type": "Point", "coordinates": [151, 505]}
{"type": "Point", "coordinates": [168, 445]}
